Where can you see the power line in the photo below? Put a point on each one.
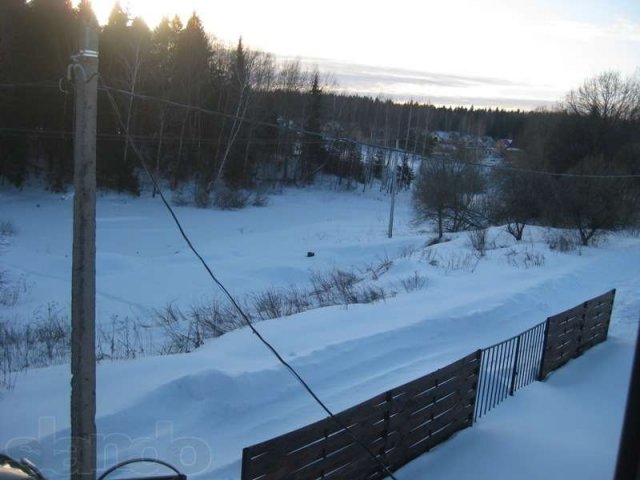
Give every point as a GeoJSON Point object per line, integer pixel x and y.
{"type": "Point", "coordinates": [235, 304]}
{"type": "Point", "coordinates": [322, 136]}
{"type": "Point", "coordinates": [362, 144]}
{"type": "Point", "coordinates": [148, 138]}
{"type": "Point", "coordinates": [39, 83]}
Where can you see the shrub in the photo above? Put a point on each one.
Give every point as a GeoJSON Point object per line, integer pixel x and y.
{"type": "Point", "coordinates": [10, 291]}
{"type": "Point", "coordinates": [466, 262]}
{"type": "Point", "coordinates": [562, 242]}
{"type": "Point", "coordinates": [525, 259]}
{"type": "Point", "coordinates": [187, 331]}
{"type": "Point", "coordinates": [414, 282]}
{"type": "Point", "coordinates": [231, 199]}
{"type": "Point", "coordinates": [123, 339]}
{"type": "Point", "coordinates": [45, 341]}
{"type": "Point", "coordinates": [260, 199]}
{"type": "Point", "coordinates": [7, 228]}
{"type": "Point", "coordinates": [179, 198]}
{"type": "Point", "coordinates": [381, 268]}
{"type": "Point", "coordinates": [478, 238]}
{"type": "Point", "coordinates": [201, 197]}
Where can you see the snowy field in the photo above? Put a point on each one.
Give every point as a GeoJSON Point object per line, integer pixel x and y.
{"type": "Point", "coordinates": [199, 410]}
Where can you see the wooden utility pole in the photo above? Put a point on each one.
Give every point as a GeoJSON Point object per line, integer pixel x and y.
{"type": "Point", "coordinates": [628, 466]}
{"type": "Point", "coordinates": [83, 282]}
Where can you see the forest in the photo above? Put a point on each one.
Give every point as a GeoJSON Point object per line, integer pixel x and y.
{"type": "Point", "coordinates": [226, 118]}
{"type": "Point", "coordinates": [186, 65]}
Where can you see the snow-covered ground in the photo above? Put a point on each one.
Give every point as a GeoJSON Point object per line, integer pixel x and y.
{"type": "Point", "coordinates": [200, 409]}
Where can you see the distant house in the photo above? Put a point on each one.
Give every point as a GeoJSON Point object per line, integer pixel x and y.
{"type": "Point", "coordinates": [503, 143]}
{"type": "Point", "coordinates": [440, 136]}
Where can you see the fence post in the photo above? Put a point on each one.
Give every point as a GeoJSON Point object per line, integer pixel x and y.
{"type": "Point", "coordinates": [613, 299]}
{"type": "Point", "coordinates": [543, 374]}
{"type": "Point", "coordinates": [246, 464]}
{"type": "Point", "coordinates": [581, 323]}
{"type": "Point", "coordinates": [476, 388]}
{"type": "Point", "coordinates": [514, 373]}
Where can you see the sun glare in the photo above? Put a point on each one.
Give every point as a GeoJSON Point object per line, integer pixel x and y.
{"type": "Point", "coordinates": [151, 11]}
{"type": "Point", "coordinates": [547, 45]}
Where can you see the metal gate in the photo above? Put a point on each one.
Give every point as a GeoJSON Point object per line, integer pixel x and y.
{"type": "Point", "coordinates": [508, 366]}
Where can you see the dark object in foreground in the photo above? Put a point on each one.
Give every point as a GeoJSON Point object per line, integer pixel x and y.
{"type": "Point", "coordinates": [628, 467]}
{"type": "Point", "coordinates": [11, 469]}
{"type": "Point", "coordinates": [177, 476]}
{"type": "Point", "coordinates": [311, 254]}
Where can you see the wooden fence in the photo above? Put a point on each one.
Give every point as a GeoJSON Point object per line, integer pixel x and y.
{"type": "Point", "coordinates": [398, 426]}
{"type": "Point", "coordinates": [576, 330]}
{"type": "Point", "coordinates": [405, 422]}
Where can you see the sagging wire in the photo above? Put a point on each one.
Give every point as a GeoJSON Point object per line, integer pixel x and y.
{"type": "Point", "coordinates": [230, 297]}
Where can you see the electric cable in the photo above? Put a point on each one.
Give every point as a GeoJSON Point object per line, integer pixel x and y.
{"type": "Point", "coordinates": [235, 304]}
{"type": "Point", "coordinates": [325, 137]}
{"type": "Point", "coordinates": [328, 137]}
{"type": "Point", "coordinates": [43, 132]}
{"type": "Point", "coordinates": [39, 83]}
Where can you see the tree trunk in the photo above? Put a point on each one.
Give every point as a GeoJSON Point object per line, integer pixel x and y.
{"type": "Point", "coordinates": [158, 155]}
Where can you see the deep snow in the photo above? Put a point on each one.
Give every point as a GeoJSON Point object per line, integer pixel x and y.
{"type": "Point", "coordinates": [200, 409]}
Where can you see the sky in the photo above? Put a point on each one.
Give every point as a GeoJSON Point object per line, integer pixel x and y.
{"type": "Point", "coordinates": [511, 53]}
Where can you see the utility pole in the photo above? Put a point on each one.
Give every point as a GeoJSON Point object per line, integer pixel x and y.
{"type": "Point", "coordinates": [628, 465]}
{"type": "Point", "coordinates": [83, 282]}
{"type": "Point", "coordinates": [394, 187]}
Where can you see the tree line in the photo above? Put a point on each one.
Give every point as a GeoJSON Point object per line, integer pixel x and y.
{"type": "Point", "coordinates": [258, 121]}
{"type": "Point", "coordinates": [260, 102]}
{"type": "Point", "coordinates": [577, 167]}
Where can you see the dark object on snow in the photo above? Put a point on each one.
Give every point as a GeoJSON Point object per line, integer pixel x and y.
{"type": "Point", "coordinates": [11, 469]}
{"type": "Point", "coordinates": [311, 254]}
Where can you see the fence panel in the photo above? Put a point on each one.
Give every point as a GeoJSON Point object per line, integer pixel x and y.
{"type": "Point", "coordinates": [508, 366]}
{"type": "Point", "coordinates": [576, 330]}
{"type": "Point", "coordinates": [405, 422]}
{"type": "Point", "coordinates": [398, 426]}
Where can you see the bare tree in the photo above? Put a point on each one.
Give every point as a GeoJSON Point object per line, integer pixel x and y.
{"type": "Point", "coordinates": [446, 191]}
{"type": "Point", "coordinates": [252, 72]}
{"type": "Point", "coordinates": [515, 201]}
{"type": "Point", "coordinates": [133, 59]}
{"type": "Point", "coordinates": [592, 204]}
{"type": "Point", "coordinates": [607, 96]}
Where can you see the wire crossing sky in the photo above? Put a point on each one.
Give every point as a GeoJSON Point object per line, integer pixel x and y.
{"type": "Point", "coordinates": [512, 53]}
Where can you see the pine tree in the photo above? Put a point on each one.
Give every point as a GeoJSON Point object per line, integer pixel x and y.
{"type": "Point", "coordinates": [46, 42]}
{"type": "Point", "coordinates": [13, 150]}
{"type": "Point", "coordinates": [313, 154]}
{"type": "Point", "coordinates": [193, 57]}
{"type": "Point", "coordinates": [162, 73]}
{"type": "Point", "coordinates": [123, 49]}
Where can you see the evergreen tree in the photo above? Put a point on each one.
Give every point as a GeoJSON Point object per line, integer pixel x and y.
{"type": "Point", "coordinates": [162, 72]}
{"type": "Point", "coordinates": [193, 57]}
{"type": "Point", "coordinates": [13, 150]}
{"type": "Point", "coordinates": [313, 154]}
{"type": "Point", "coordinates": [121, 51]}
{"type": "Point", "coordinates": [46, 42]}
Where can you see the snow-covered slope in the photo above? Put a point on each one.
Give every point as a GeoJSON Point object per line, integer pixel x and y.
{"type": "Point", "coordinates": [200, 409]}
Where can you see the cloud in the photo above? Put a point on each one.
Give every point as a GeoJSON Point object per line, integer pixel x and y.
{"type": "Point", "coordinates": [438, 88]}
{"type": "Point", "coordinates": [619, 30]}
{"type": "Point", "coordinates": [357, 73]}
